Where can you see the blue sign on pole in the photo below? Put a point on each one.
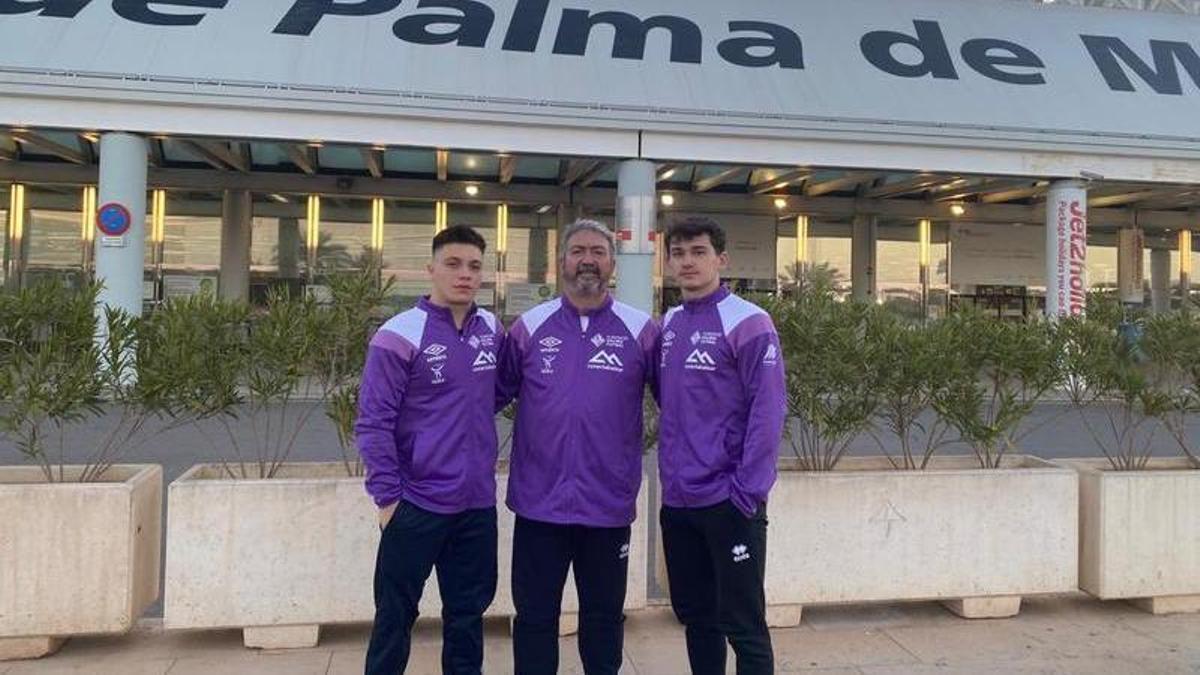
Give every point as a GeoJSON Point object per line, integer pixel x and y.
{"type": "Point", "coordinates": [113, 219]}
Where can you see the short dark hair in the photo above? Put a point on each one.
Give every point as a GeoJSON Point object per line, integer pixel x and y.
{"type": "Point", "coordinates": [459, 234]}
{"type": "Point", "coordinates": [697, 226]}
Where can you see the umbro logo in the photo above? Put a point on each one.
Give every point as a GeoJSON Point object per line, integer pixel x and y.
{"type": "Point", "coordinates": [700, 360]}
{"type": "Point", "coordinates": [695, 338]}
{"type": "Point", "coordinates": [669, 336]}
{"type": "Point", "coordinates": [484, 359]}
{"type": "Point", "coordinates": [623, 552]}
{"type": "Point", "coordinates": [772, 355]}
{"type": "Point", "coordinates": [597, 339]}
{"type": "Point", "coordinates": [603, 358]}
{"type": "Point", "coordinates": [741, 553]}
{"type": "Point", "coordinates": [550, 342]}
{"type": "Point", "coordinates": [474, 342]}
{"type": "Point", "coordinates": [435, 349]}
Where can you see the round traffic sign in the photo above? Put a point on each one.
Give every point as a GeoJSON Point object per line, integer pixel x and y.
{"type": "Point", "coordinates": [113, 219]}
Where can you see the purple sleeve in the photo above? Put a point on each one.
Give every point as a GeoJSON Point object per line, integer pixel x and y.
{"type": "Point", "coordinates": [760, 367]}
{"type": "Point", "coordinates": [384, 383]}
{"type": "Point", "coordinates": [508, 380]}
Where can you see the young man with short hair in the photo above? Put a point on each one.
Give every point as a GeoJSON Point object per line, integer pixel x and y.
{"type": "Point", "coordinates": [723, 403]}
{"type": "Point", "coordinates": [427, 435]}
{"type": "Point", "coordinates": [579, 365]}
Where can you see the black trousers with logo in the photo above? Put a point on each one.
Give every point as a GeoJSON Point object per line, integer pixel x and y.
{"type": "Point", "coordinates": [542, 554]}
{"type": "Point", "coordinates": [462, 547]}
{"type": "Point", "coordinates": [716, 563]}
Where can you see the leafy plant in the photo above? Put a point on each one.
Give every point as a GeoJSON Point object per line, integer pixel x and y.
{"type": "Point", "coordinates": [908, 361]}
{"type": "Point", "coordinates": [344, 328]}
{"type": "Point", "coordinates": [48, 368]}
{"type": "Point", "coordinates": [1108, 372]}
{"type": "Point", "coordinates": [993, 374]}
{"type": "Point", "coordinates": [830, 381]}
{"type": "Point", "coordinates": [1171, 342]}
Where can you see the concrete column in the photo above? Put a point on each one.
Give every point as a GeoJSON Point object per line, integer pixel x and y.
{"type": "Point", "coordinates": [864, 245]}
{"type": "Point", "coordinates": [236, 222]}
{"type": "Point", "coordinates": [637, 213]}
{"type": "Point", "coordinates": [1066, 249]}
{"type": "Point", "coordinates": [120, 260]}
{"type": "Point", "coordinates": [288, 241]}
{"type": "Point", "coordinates": [1160, 280]}
{"type": "Point", "coordinates": [539, 255]}
{"type": "Point", "coordinates": [1130, 266]}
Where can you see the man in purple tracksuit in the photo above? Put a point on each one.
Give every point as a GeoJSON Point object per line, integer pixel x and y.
{"type": "Point", "coordinates": [723, 403]}
{"type": "Point", "coordinates": [579, 365]}
{"type": "Point", "coordinates": [427, 436]}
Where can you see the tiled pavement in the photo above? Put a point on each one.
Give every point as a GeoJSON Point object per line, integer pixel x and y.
{"type": "Point", "coordinates": [1061, 634]}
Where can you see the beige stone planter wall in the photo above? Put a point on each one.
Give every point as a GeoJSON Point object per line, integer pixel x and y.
{"type": "Point", "coordinates": [279, 558]}
{"type": "Point", "coordinates": [977, 540]}
{"type": "Point", "coordinates": [76, 558]}
{"type": "Point", "coordinates": [1140, 533]}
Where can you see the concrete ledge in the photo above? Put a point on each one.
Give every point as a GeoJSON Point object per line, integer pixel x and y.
{"type": "Point", "coordinates": [1139, 531]}
{"type": "Point", "coordinates": [1169, 604]}
{"type": "Point", "coordinates": [976, 538]}
{"type": "Point", "coordinates": [79, 558]}
{"type": "Point", "coordinates": [299, 550]}
{"type": "Point", "coordinates": [14, 649]}
{"type": "Point", "coordinates": [985, 608]}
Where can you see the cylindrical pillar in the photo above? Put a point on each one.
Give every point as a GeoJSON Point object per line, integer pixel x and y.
{"type": "Point", "coordinates": [288, 237]}
{"type": "Point", "coordinates": [637, 212]}
{"type": "Point", "coordinates": [1131, 266]}
{"type": "Point", "coordinates": [864, 244]}
{"type": "Point", "coordinates": [121, 219]}
{"type": "Point", "coordinates": [236, 222]}
{"type": "Point", "coordinates": [1066, 249]}
{"type": "Point", "coordinates": [1160, 280]}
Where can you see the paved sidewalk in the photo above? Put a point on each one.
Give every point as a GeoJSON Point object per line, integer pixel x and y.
{"type": "Point", "coordinates": [1061, 634]}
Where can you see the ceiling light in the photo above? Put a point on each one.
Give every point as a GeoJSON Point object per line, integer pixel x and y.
{"type": "Point", "coordinates": [780, 203]}
{"type": "Point", "coordinates": [668, 200]}
{"type": "Point", "coordinates": [544, 209]}
{"type": "Point", "coordinates": [957, 209]}
{"type": "Point", "coordinates": [472, 190]}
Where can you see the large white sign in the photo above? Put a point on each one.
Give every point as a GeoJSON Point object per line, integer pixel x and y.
{"type": "Point", "coordinates": [1066, 250]}
{"type": "Point", "coordinates": [986, 254]}
{"type": "Point", "coordinates": [994, 69]}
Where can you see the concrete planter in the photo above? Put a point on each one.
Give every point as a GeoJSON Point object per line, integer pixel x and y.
{"type": "Point", "coordinates": [978, 540]}
{"type": "Point", "coordinates": [1140, 533]}
{"type": "Point", "coordinates": [278, 558]}
{"type": "Point", "coordinates": [76, 558]}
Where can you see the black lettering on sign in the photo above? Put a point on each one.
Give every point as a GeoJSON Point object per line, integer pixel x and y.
{"type": "Point", "coordinates": [983, 56]}
{"type": "Point", "coordinates": [929, 41]}
{"type": "Point", "coordinates": [1110, 53]}
{"type": "Point", "coordinates": [62, 9]}
{"type": "Point", "coordinates": [304, 16]}
{"type": "Point", "coordinates": [140, 11]}
{"type": "Point", "coordinates": [629, 34]}
{"type": "Point", "coordinates": [786, 50]}
{"type": "Point", "coordinates": [472, 24]}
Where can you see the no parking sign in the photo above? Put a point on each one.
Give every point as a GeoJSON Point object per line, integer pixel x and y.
{"type": "Point", "coordinates": [113, 221]}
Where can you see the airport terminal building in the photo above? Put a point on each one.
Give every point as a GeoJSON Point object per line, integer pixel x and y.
{"type": "Point", "coordinates": [927, 153]}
